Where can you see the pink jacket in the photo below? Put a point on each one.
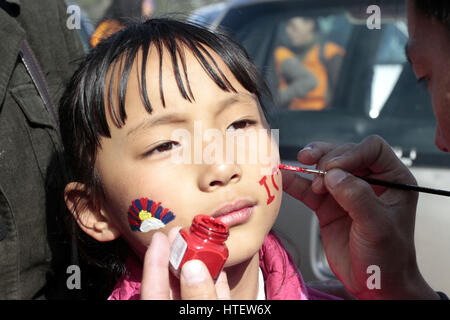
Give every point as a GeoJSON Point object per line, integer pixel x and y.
{"type": "Point", "coordinates": [282, 279]}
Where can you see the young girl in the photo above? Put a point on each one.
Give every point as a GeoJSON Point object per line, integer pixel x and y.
{"type": "Point", "coordinates": [118, 119]}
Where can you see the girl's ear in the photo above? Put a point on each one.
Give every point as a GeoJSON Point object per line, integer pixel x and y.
{"type": "Point", "coordinates": [90, 219]}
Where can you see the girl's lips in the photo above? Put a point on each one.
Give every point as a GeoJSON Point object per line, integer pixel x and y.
{"type": "Point", "coordinates": [236, 217]}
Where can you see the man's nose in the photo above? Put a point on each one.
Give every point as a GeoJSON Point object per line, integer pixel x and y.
{"type": "Point", "coordinates": [440, 141]}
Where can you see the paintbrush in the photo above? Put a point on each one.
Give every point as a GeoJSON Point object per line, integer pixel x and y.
{"type": "Point", "coordinates": [372, 181]}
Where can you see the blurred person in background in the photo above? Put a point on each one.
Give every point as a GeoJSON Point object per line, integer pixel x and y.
{"type": "Point", "coordinates": [309, 69]}
{"type": "Point", "coordinates": [118, 13]}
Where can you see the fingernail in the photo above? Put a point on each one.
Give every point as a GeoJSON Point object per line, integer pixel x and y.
{"type": "Point", "coordinates": [307, 148]}
{"type": "Point", "coordinates": [314, 152]}
{"type": "Point", "coordinates": [334, 177]}
{"type": "Point", "coordinates": [193, 272]}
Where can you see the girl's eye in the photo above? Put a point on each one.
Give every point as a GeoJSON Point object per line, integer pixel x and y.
{"type": "Point", "coordinates": [167, 146]}
{"type": "Point", "coordinates": [242, 124]}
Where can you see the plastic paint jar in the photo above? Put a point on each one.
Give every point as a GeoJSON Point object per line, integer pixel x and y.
{"type": "Point", "coordinates": [205, 241]}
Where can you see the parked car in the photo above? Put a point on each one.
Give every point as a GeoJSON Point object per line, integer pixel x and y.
{"type": "Point", "coordinates": [375, 93]}
{"type": "Point", "coordinates": [208, 14]}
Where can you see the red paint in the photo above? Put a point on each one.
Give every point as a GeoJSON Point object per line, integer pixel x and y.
{"type": "Point", "coordinates": [273, 181]}
{"type": "Point", "coordinates": [205, 241]}
{"type": "Point", "coordinates": [263, 182]}
{"type": "Point", "coordinates": [291, 168]}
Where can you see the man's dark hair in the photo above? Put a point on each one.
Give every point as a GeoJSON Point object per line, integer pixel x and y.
{"type": "Point", "coordinates": [83, 106]}
{"type": "Point", "coordinates": [439, 9]}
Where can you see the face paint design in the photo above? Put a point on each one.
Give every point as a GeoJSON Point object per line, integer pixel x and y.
{"type": "Point", "coordinates": [270, 196]}
{"type": "Point", "coordinates": [145, 215]}
{"type": "Point", "coordinates": [263, 182]}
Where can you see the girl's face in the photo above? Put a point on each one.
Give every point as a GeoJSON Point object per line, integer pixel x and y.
{"type": "Point", "coordinates": [140, 158]}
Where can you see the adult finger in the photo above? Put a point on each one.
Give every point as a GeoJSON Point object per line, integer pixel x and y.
{"type": "Point", "coordinates": [300, 188]}
{"type": "Point", "coordinates": [313, 152]}
{"type": "Point", "coordinates": [357, 198]}
{"type": "Point", "coordinates": [317, 185]}
{"type": "Point", "coordinates": [155, 276]}
{"type": "Point", "coordinates": [196, 282]}
{"type": "Point", "coordinates": [373, 155]}
{"type": "Point", "coordinates": [336, 152]}
{"type": "Point", "coordinates": [222, 287]}
{"type": "Point", "coordinates": [317, 153]}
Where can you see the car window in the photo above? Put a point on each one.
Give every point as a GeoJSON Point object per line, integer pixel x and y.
{"type": "Point", "coordinates": [302, 56]}
{"type": "Point", "coordinates": [322, 60]}
{"type": "Point", "coordinates": [389, 63]}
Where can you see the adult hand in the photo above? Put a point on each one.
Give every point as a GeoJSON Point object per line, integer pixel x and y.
{"type": "Point", "coordinates": [361, 225]}
{"type": "Point", "coordinates": [195, 282]}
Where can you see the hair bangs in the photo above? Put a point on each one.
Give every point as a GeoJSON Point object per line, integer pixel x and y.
{"type": "Point", "coordinates": [175, 41]}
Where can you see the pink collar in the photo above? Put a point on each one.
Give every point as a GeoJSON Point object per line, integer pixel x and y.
{"type": "Point", "coordinates": [282, 279]}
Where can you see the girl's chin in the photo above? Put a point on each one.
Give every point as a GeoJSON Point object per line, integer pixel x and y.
{"type": "Point", "coordinates": [239, 264]}
{"type": "Point", "coordinates": [240, 253]}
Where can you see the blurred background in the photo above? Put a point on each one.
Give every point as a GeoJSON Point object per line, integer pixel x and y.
{"type": "Point", "coordinates": [95, 9]}
{"type": "Point", "coordinates": [102, 18]}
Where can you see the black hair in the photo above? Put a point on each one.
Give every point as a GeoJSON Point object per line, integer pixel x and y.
{"type": "Point", "coordinates": [83, 106]}
{"type": "Point", "coordinates": [439, 9]}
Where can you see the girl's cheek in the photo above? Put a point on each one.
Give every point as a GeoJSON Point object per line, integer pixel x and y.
{"type": "Point", "coordinates": [270, 177]}
{"type": "Point", "coordinates": [272, 185]}
{"type": "Point", "coordinates": [268, 154]}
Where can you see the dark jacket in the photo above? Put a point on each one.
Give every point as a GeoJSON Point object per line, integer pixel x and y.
{"type": "Point", "coordinates": [31, 183]}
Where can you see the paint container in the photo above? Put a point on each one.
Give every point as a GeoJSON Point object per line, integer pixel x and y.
{"type": "Point", "coordinates": [205, 241]}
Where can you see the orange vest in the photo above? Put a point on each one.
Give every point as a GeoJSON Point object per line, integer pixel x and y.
{"type": "Point", "coordinates": [316, 99]}
{"type": "Point", "coordinates": [104, 30]}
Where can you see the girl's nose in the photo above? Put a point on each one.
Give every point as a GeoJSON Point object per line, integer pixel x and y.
{"type": "Point", "coordinates": [218, 175]}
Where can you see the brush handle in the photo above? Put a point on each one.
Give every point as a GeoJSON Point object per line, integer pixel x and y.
{"type": "Point", "coordinates": [372, 181]}
{"type": "Point", "coordinates": [407, 187]}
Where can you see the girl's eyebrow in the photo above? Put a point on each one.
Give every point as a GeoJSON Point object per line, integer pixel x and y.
{"type": "Point", "coordinates": [157, 121]}
{"type": "Point", "coordinates": [177, 117]}
{"type": "Point", "coordinates": [239, 96]}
